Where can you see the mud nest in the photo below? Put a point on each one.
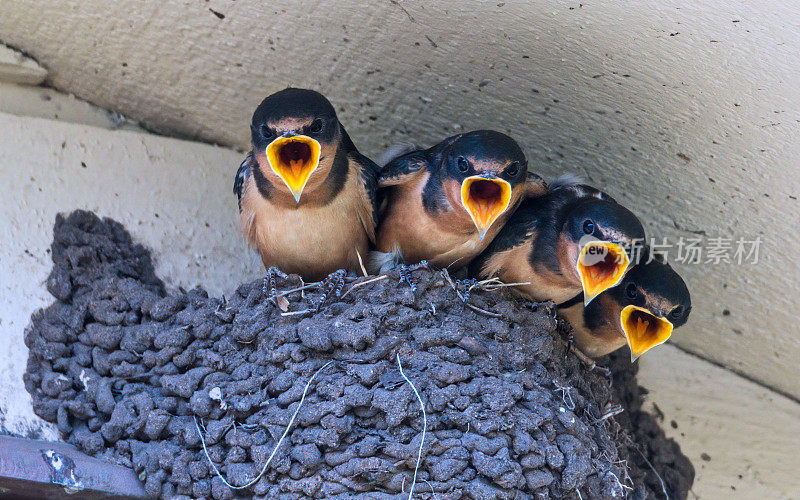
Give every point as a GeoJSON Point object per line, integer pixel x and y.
{"type": "Point", "coordinates": [135, 374]}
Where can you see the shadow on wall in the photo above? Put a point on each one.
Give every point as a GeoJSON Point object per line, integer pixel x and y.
{"type": "Point", "coordinates": [682, 111]}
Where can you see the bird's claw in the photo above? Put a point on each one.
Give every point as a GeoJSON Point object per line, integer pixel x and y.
{"type": "Point", "coordinates": [587, 361]}
{"type": "Point", "coordinates": [269, 280]}
{"type": "Point", "coordinates": [406, 277]}
{"type": "Point", "coordinates": [333, 283]}
{"type": "Point", "coordinates": [423, 264]}
{"type": "Point", "coordinates": [606, 372]}
{"type": "Point", "coordinates": [570, 344]}
{"type": "Point", "coordinates": [467, 284]}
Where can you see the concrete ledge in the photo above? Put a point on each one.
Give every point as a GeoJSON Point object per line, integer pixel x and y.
{"type": "Point", "coordinates": [40, 469]}
{"type": "Point", "coordinates": [743, 439]}
{"type": "Point", "coordinates": [15, 67]}
{"type": "Point", "coordinates": [44, 102]}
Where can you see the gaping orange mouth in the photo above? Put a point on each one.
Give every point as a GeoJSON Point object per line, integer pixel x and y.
{"type": "Point", "coordinates": [601, 265]}
{"type": "Point", "coordinates": [294, 159]}
{"type": "Point", "coordinates": [643, 330]}
{"type": "Point", "coordinates": [485, 200]}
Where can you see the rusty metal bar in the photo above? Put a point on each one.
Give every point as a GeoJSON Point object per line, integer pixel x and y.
{"type": "Point", "coordinates": [45, 470]}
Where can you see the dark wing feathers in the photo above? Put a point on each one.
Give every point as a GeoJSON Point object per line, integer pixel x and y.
{"type": "Point", "coordinates": [519, 228]}
{"type": "Point", "coordinates": [369, 180]}
{"type": "Point", "coordinates": [241, 177]}
{"type": "Point", "coordinates": [402, 169]}
{"type": "Point", "coordinates": [535, 186]}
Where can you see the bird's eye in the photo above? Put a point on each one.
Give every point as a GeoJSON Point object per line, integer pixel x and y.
{"type": "Point", "coordinates": [677, 312]}
{"type": "Point", "coordinates": [315, 127]}
{"type": "Point", "coordinates": [630, 291]}
{"type": "Point", "coordinates": [512, 170]}
{"type": "Point", "coordinates": [588, 226]}
{"type": "Point", "coordinates": [463, 164]}
{"type": "Point", "coordinates": [266, 132]}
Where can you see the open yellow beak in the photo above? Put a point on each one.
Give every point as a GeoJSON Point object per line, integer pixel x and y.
{"type": "Point", "coordinates": [485, 200]}
{"type": "Point", "coordinates": [601, 265]}
{"type": "Point", "coordinates": [643, 330]}
{"type": "Point", "coordinates": [294, 159]}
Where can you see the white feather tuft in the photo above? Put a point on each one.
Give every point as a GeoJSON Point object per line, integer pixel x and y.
{"type": "Point", "coordinates": [565, 181]}
{"type": "Point", "coordinates": [383, 262]}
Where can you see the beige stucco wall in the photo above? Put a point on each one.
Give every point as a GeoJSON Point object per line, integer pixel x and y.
{"type": "Point", "coordinates": [172, 195]}
{"type": "Point", "coordinates": [685, 110]}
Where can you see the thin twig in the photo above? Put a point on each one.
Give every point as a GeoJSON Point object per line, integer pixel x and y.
{"type": "Point", "coordinates": [296, 313]}
{"type": "Point", "coordinates": [619, 483]}
{"type": "Point", "coordinates": [446, 275]}
{"type": "Point", "coordinates": [589, 362]}
{"type": "Point", "coordinates": [277, 445]}
{"type": "Point", "coordinates": [360, 283]}
{"type": "Point", "coordinates": [424, 425]}
{"type": "Point", "coordinates": [299, 288]}
{"type": "Point", "coordinates": [663, 487]}
{"type": "Point", "coordinates": [623, 465]}
{"type": "Point", "coordinates": [492, 284]}
{"type": "Point", "coordinates": [610, 412]}
{"type": "Point", "coordinates": [361, 263]}
{"type": "Point", "coordinates": [433, 492]}
{"type": "Point", "coordinates": [484, 311]}
{"type": "Point", "coordinates": [566, 392]}
{"type": "Point", "coordinates": [453, 263]}
{"type": "Point", "coordinates": [477, 309]}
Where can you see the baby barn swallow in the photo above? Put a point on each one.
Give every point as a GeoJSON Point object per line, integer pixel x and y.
{"type": "Point", "coordinates": [306, 195]}
{"type": "Point", "coordinates": [446, 203]}
{"type": "Point", "coordinates": [575, 238]}
{"type": "Point", "coordinates": [641, 311]}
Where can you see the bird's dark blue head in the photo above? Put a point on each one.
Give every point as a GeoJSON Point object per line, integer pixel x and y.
{"type": "Point", "coordinates": [600, 238]}
{"type": "Point", "coordinates": [295, 135]}
{"type": "Point", "coordinates": [293, 111]}
{"type": "Point", "coordinates": [603, 219]}
{"type": "Point", "coordinates": [653, 300]}
{"type": "Point", "coordinates": [481, 171]}
{"type": "Point", "coordinates": [485, 152]}
{"type": "Point", "coordinates": [657, 287]}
